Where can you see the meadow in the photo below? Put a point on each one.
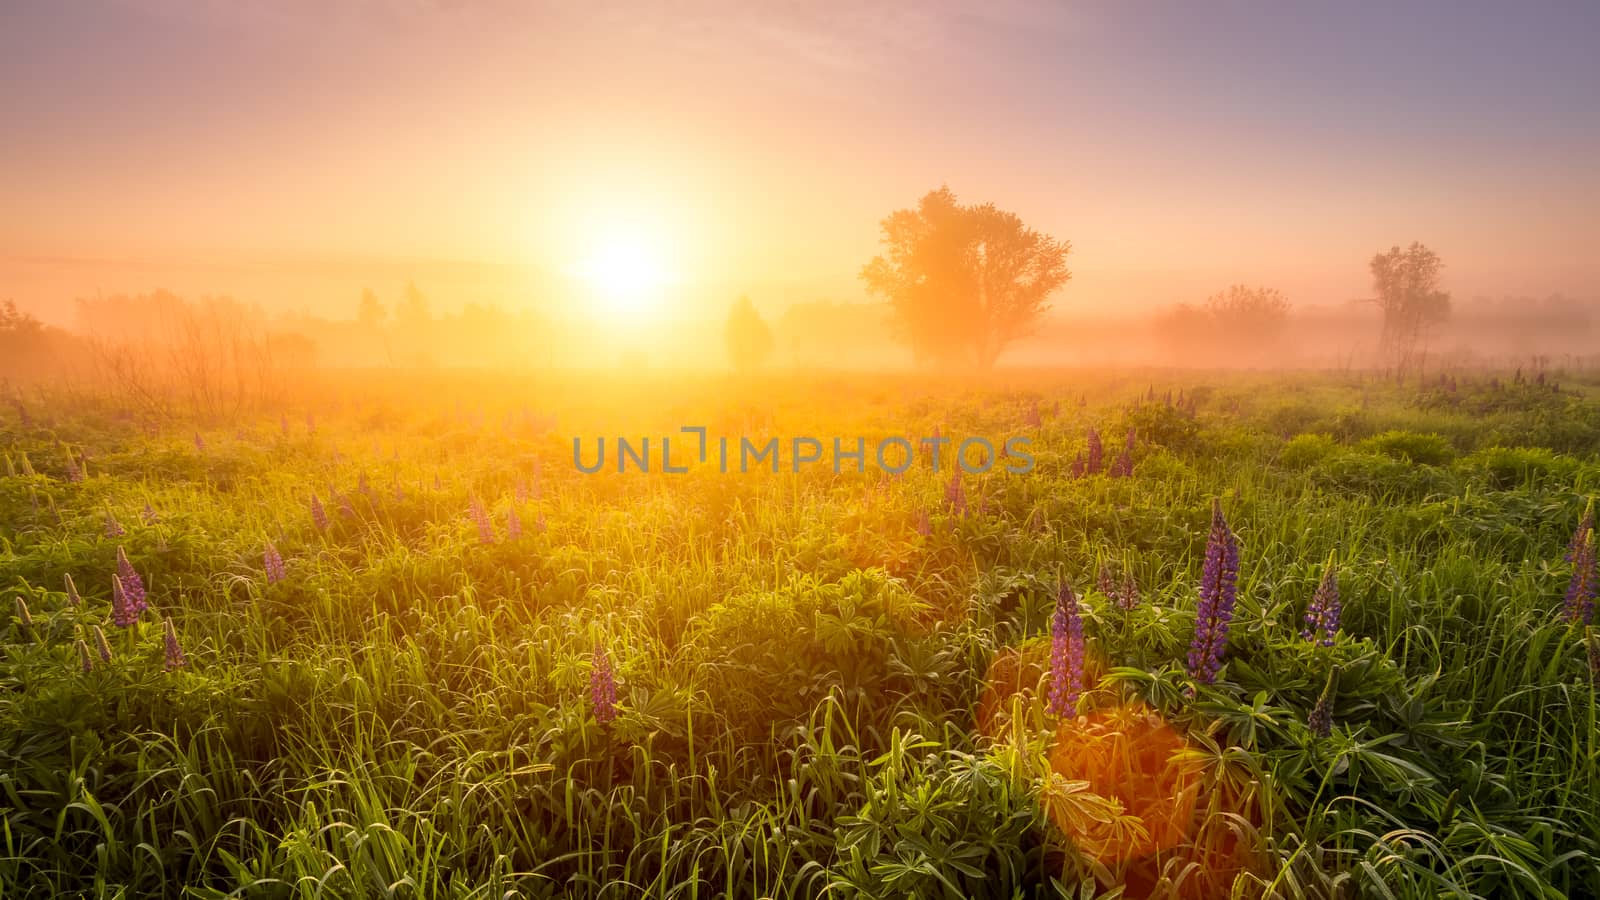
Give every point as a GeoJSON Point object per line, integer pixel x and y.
{"type": "Point", "coordinates": [398, 645]}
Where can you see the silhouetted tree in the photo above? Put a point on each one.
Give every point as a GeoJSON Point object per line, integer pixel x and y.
{"type": "Point", "coordinates": [371, 312]}
{"type": "Point", "coordinates": [1407, 286]}
{"type": "Point", "coordinates": [964, 281]}
{"type": "Point", "coordinates": [1234, 324]}
{"type": "Point", "coordinates": [749, 338]}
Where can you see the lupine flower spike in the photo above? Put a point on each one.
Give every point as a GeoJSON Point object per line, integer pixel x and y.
{"type": "Point", "coordinates": [175, 658]}
{"type": "Point", "coordinates": [602, 687]}
{"type": "Point", "coordinates": [923, 524]}
{"type": "Point", "coordinates": [1218, 591]}
{"type": "Point", "coordinates": [132, 584]}
{"type": "Point", "coordinates": [1585, 525]}
{"type": "Point", "coordinates": [1322, 613]}
{"type": "Point", "coordinates": [74, 471]}
{"type": "Point", "coordinates": [955, 496]}
{"type": "Point", "coordinates": [1066, 654]}
{"type": "Point", "coordinates": [513, 524]}
{"type": "Point", "coordinates": [1321, 718]}
{"type": "Point", "coordinates": [1096, 453]}
{"type": "Point", "coordinates": [481, 517]}
{"type": "Point", "coordinates": [113, 528]}
{"type": "Point", "coordinates": [101, 645]}
{"type": "Point", "coordinates": [73, 599]}
{"type": "Point", "coordinates": [1128, 597]}
{"type": "Point", "coordinates": [123, 613]}
{"type": "Point", "coordinates": [148, 514]}
{"type": "Point", "coordinates": [272, 561]}
{"type": "Point", "coordinates": [24, 617]}
{"type": "Point", "coordinates": [199, 442]}
{"type": "Point", "coordinates": [319, 517]}
{"type": "Point", "coordinates": [85, 661]}
{"type": "Point", "coordinates": [1579, 606]}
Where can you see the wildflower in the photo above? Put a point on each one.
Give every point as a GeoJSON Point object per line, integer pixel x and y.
{"type": "Point", "coordinates": [1104, 582]}
{"type": "Point", "coordinates": [1585, 525]}
{"type": "Point", "coordinates": [1123, 467]}
{"type": "Point", "coordinates": [1322, 613]}
{"type": "Point", "coordinates": [175, 658]}
{"type": "Point", "coordinates": [1218, 591]}
{"type": "Point", "coordinates": [113, 529]}
{"type": "Point", "coordinates": [74, 471]}
{"type": "Point", "coordinates": [513, 524]}
{"type": "Point", "coordinates": [522, 490]}
{"type": "Point", "coordinates": [1096, 453]}
{"type": "Point", "coordinates": [1127, 444]}
{"type": "Point", "coordinates": [602, 687]}
{"type": "Point", "coordinates": [318, 517]}
{"type": "Point", "coordinates": [272, 561]}
{"type": "Point", "coordinates": [199, 442]}
{"type": "Point", "coordinates": [24, 618]}
{"type": "Point", "coordinates": [1321, 718]}
{"type": "Point", "coordinates": [132, 584]}
{"type": "Point", "coordinates": [1066, 654]}
{"type": "Point", "coordinates": [1128, 597]}
{"type": "Point", "coordinates": [1581, 589]}
{"type": "Point", "coordinates": [123, 612]}
{"type": "Point", "coordinates": [955, 496]}
{"type": "Point", "coordinates": [101, 645]}
{"type": "Point", "coordinates": [481, 517]}
{"type": "Point", "coordinates": [72, 592]}
{"type": "Point", "coordinates": [923, 524]}
{"type": "Point", "coordinates": [1033, 418]}
{"type": "Point", "coordinates": [1594, 657]}
{"type": "Point", "coordinates": [1076, 470]}
{"type": "Point", "coordinates": [84, 659]}
{"type": "Point", "coordinates": [148, 514]}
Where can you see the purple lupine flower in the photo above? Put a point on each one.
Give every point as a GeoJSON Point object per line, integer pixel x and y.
{"type": "Point", "coordinates": [1128, 596]}
{"type": "Point", "coordinates": [1076, 470]}
{"type": "Point", "coordinates": [74, 471]}
{"type": "Point", "coordinates": [84, 659]}
{"type": "Point", "coordinates": [73, 599]}
{"type": "Point", "coordinates": [1322, 613]}
{"type": "Point", "coordinates": [199, 442]}
{"type": "Point", "coordinates": [1581, 589]}
{"type": "Point", "coordinates": [1096, 453]}
{"type": "Point", "coordinates": [602, 687]}
{"type": "Point", "coordinates": [955, 496]}
{"type": "Point", "coordinates": [1321, 719]}
{"type": "Point", "coordinates": [923, 524]}
{"type": "Point", "coordinates": [1218, 591]}
{"type": "Point", "coordinates": [174, 653]}
{"type": "Point", "coordinates": [123, 612]}
{"type": "Point", "coordinates": [319, 518]}
{"type": "Point", "coordinates": [1123, 466]}
{"type": "Point", "coordinates": [148, 514]}
{"type": "Point", "coordinates": [1585, 525]}
{"type": "Point", "coordinates": [132, 584]}
{"type": "Point", "coordinates": [272, 561]}
{"type": "Point", "coordinates": [513, 525]}
{"type": "Point", "coordinates": [101, 645]}
{"type": "Point", "coordinates": [1104, 582]}
{"type": "Point", "coordinates": [481, 517]}
{"type": "Point", "coordinates": [1033, 418]}
{"type": "Point", "coordinates": [113, 528]}
{"type": "Point", "coordinates": [1066, 654]}
{"type": "Point", "coordinates": [1128, 443]}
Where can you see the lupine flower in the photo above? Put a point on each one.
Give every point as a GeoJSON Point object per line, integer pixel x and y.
{"type": "Point", "coordinates": [1585, 525]}
{"type": "Point", "coordinates": [1096, 453]}
{"type": "Point", "coordinates": [123, 612]}
{"type": "Point", "coordinates": [148, 514]}
{"type": "Point", "coordinates": [513, 524]}
{"type": "Point", "coordinates": [522, 491]}
{"type": "Point", "coordinates": [1218, 591]}
{"type": "Point", "coordinates": [1581, 589]}
{"type": "Point", "coordinates": [955, 496]}
{"type": "Point", "coordinates": [1128, 597]}
{"type": "Point", "coordinates": [1322, 613]}
{"type": "Point", "coordinates": [481, 517]}
{"type": "Point", "coordinates": [1128, 443]}
{"type": "Point", "coordinates": [1321, 718]}
{"type": "Point", "coordinates": [1077, 469]}
{"type": "Point", "coordinates": [175, 658]}
{"type": "Point", "coordinates": [602, 687]}
{"type": "Point", "coordinates": [1594, 657]}
{"type": "Point", "coordinates": [1066, 654]}
{"type": "Point", "coordinates": [74, 471]}
{"type": "Point", "coordinates": [272, 561]}
{"type": "Point", "coordinates": [319, 518]}
{"type": "Point", "coordinates": [101, 645]}
{"type": "Point", "coordinates": [72, 592]}
{"type": "Point", "coordinates": [113, 528]}
{"type": "Point", "coordinates": [1123, 467]}
{"type": "Point", "coordinates": [199, 442]}
{"type": "Point", "coordinates": [84, 659]}
{"type": "Point", "coordinates": [132, 584]}
{"type": "Point", "coordinates": [1104, 582]}
{"type": "Point", "coordinates": [923, 524]}
{"type": "Point", "coordinates": [1033, 418]}
{"type": "Point", "coordinates": [24, 617]}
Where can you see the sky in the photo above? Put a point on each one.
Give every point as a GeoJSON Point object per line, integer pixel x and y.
{"type": "Point", "coordinates": [291, 153]}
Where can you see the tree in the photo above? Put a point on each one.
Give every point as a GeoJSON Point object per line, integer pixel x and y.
{"type": "Point", "coordinates": [1243, 316]}
{"type": "Point", "coordinates": [371, 312]}
{"type": "Point", "coordinates": [964, 281]}
{"type": "Point", "coordinates": [749, 338]}
{"type": "Point", "coordinates": [1407, 286]}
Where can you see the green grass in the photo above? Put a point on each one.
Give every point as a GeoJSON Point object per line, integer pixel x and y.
{"type": "Point", "coordinates": [407, 713]}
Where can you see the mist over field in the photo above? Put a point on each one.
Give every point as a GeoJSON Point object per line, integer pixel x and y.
{"type": "Point", "coordinates": [493, 450]}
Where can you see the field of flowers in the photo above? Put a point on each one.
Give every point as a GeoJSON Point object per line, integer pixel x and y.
{"type": "Point", "coordinates": [1230, 636]}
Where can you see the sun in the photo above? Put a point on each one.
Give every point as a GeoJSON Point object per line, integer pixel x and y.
{"type": "Point", "coordinates": [626, 272]}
